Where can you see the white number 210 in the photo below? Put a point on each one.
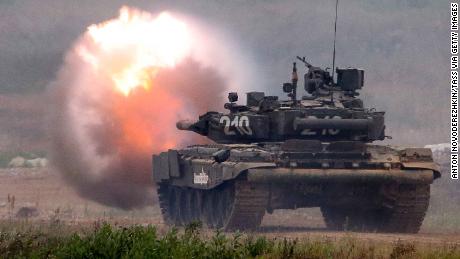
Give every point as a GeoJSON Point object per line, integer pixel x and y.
{"type": "Point", "coordinates": [240, 123]}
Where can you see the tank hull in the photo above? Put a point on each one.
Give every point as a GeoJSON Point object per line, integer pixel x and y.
{"type": "Point", "coordinates": [365, 187]}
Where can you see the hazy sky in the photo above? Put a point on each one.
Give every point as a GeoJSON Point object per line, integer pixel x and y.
{"type": "Point", "coordinates": [402, 45]}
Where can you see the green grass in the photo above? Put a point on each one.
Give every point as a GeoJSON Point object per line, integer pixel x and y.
{"type": "Point", "coordinates": [106, 241]}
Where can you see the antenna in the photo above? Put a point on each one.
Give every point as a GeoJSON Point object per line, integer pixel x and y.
{"type": "Point", "coordinates": [335, 35]}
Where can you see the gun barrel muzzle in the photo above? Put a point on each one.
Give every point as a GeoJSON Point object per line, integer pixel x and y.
{"type": "Point", "coordinates": [184, 124]}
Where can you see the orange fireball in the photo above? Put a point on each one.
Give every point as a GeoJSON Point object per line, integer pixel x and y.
{"type": "Point", "coordinates": [130, 51]}
{"type": "Point", "coordinates": [131, 48]}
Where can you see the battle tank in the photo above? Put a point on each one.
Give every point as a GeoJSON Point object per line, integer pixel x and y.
{"type": "Point", "coordinates": [313, 151]}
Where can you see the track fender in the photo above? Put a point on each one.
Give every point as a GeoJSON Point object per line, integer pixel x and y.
{"type": "Point", "coordinates": [424, 165]}
{"type": "Point", "coordinates": [208, 174]}
{"type": "Point", "coordinates": [199, 173]}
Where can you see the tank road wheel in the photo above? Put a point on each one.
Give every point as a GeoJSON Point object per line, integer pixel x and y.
{"type": "Point", "coordinates": [189, 205]}
{"type": "Point", "coordinates": [208, 209]}
{"type": "Point", "coordinates": [194, 201]}
{"type": "Point", "coordinates": [233, 205]}
{"type": "Point", "coordinates": [226, 204]}
{"type": "Point", "coordinates": [217, 205]}
{"type": "Point", "coordinates": [183, 208]}
{"type": "Point", "coordinates": [223, 198]}
{"type": "Point", "coordinates": [175, 204]}
{"type": "Point", "coordinates": [175, 196]}
{"type": "Point", "coordinates": [405, 207]}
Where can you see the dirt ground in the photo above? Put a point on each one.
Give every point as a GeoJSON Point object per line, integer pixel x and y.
{"type": "Point", "coordinates": [41, 195]}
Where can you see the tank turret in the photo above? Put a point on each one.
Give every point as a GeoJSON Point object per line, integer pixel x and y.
{"type": "Point", "coordinates": [330, 111]}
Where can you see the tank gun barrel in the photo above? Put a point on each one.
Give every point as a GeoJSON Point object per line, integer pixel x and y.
{"type": "Point", "coordinates": [185, 124]}
{"type": "Point", "coordinates": [199, 126]}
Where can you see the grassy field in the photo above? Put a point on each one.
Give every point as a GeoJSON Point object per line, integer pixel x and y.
{"type": "Point", "coordinates": [101, 240]}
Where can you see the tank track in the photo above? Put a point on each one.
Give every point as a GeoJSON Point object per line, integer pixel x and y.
{"type": "Point", "coordinates": [249, 208]}
{"type": "Point", "coordinates": [234, 205]}
{"type": "Point", "coordinates": [403, 210]}
{"type": "Point", "coordinates": [406, 208]}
